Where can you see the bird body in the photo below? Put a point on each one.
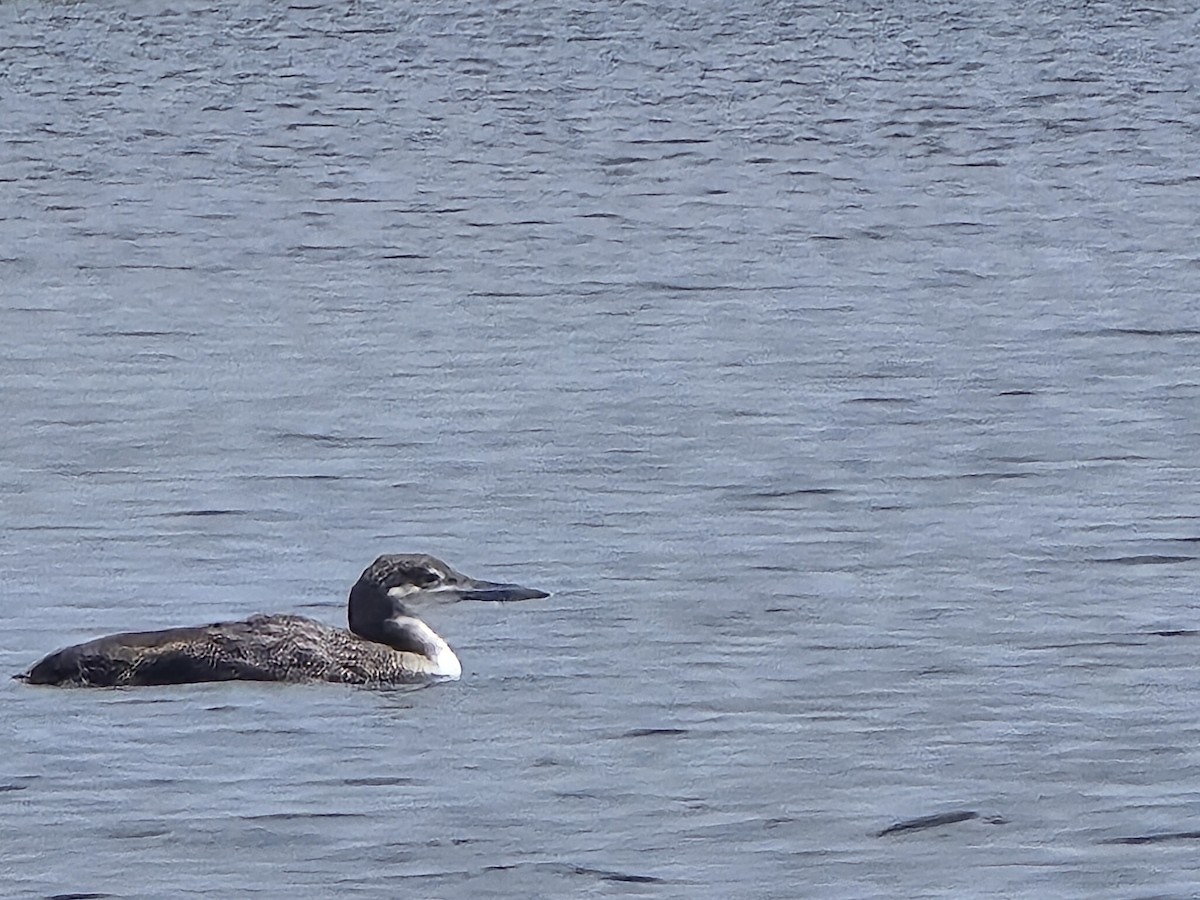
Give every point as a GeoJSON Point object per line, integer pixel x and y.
{"type": "Point", "coordinates": [389, 644]}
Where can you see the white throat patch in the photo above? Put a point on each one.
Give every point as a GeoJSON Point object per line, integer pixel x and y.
{"type": "Point", "coordinates": [445, 665]}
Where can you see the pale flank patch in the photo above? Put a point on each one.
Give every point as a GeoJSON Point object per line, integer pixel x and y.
{"type": "Point", "coordinates": [448, 664]}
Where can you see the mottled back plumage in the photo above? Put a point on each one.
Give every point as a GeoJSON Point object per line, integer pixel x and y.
{"type": "Point", "coordinates": [261, 648]}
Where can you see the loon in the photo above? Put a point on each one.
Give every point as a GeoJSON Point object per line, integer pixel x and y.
{"type": "Point", "coordinates": [386, 644]}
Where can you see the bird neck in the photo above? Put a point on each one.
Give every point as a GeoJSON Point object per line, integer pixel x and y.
{"type": "Point", "coordinates": [369, 610]}
{"type": "Point", "coordinates": [377, 617]}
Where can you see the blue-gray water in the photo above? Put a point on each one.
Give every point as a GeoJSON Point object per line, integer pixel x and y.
{"type": "Point", "coordinates": [835, 366]}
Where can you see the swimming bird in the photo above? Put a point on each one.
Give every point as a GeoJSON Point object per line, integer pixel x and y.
{"type": "Point", "coordinates": [386, 644]}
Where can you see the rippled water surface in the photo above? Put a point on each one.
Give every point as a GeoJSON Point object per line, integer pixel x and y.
{"type": "Point", "coordinates": [834, 365]}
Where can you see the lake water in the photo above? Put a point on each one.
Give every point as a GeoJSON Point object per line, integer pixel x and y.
{"type": "Point", "coordinates": [834, 365]}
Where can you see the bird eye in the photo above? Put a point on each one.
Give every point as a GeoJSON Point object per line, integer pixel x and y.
{"type": "Point", "coordinates": [426, 577]}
